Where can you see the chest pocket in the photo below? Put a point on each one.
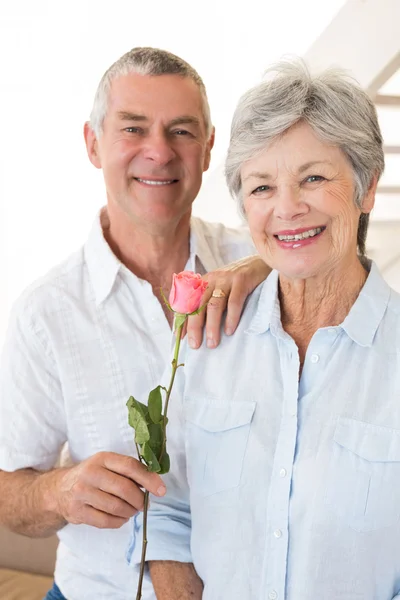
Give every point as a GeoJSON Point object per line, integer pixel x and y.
{"type": "Point", "coordinates": [216, 441]}
{"type": "Point", "coordinates": [364, 476]}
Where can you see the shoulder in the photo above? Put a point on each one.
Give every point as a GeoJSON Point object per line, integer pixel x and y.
{"type": "Point", "coordinates": [44, 294]}
{"type": "Point", "coordinates": [230, 343]}
{"type": "Point", "coordinates": [232, 242]}
{"type": "Point", "coordinates": [393, 314]}
{"type": "Point", "coordinates": [394, 301]}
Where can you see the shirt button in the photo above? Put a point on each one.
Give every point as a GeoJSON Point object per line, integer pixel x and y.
{"type": "Point", "coordinates": [272, 595]}
{"type": "Point", "coordinates": [314, 358]}
{"type": "Point", "coordinates": [282, 473]}
{"type": "Point", "coordinates": [277, 533]}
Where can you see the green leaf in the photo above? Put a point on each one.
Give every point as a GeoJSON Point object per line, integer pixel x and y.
{"type": "Point", "coordinates": [156, 437]}
{"type": "Point", "coordinates": [155, 404]}
{"type": "Point", "coordinates": [133, 402]}
{"type": "Point", "coordinates": [164, 464]}
{"type": "Point", "coordinates": [137, 420]}
{"type": "Point", "coordinates": [150, 458]}
{"type": "Point", "coordinates": [179, 320]}
{"type": "Point", "coordinates": [156, 444]}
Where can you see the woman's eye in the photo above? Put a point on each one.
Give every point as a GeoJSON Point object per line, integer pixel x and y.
{"type": "Point", "coordinates": [314, 178]}
{"type": "Point", "coordinates": [260, 189]}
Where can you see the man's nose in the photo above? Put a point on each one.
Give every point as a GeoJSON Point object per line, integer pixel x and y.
{"type": "Point", "coordinates": [158, 149]}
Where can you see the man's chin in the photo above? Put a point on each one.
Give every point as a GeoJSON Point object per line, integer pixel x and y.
{"type": "Point", "coordinates": [163, 218]}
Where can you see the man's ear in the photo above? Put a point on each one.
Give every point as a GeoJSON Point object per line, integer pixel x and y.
{"type": "Point", "coordinates": [209, 147]}
{"type": "Point", "coordinates": [369, 200]}
{"type": "Point", "coordinates": [92, 146]}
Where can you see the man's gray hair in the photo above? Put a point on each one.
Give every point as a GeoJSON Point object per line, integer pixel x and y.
{"type": "Point", "coordinates": [145, 61]}
{"type": "Point", "coordinates": [332, 103]}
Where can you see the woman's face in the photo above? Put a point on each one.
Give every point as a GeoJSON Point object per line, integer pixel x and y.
{"type": "Point", "coordinates": [298, 197]}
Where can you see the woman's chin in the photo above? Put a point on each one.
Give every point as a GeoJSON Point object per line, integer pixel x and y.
{"type": "Point", "coordinates": [300, 269]}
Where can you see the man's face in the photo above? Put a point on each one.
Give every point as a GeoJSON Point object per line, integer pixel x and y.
{"type": "Point", "coordinates": [154, 148]}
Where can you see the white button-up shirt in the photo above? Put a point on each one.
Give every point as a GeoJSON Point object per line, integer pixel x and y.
{"type": "Point", "coordinates": [80, 342]}
{"type": "Point", "coordinates": [280, 488]}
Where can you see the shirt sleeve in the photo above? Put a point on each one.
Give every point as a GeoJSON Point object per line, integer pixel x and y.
{"type": "Point", "coordinates": [32, 418]}
{"type": "Point", "coordinates": [169, 520]}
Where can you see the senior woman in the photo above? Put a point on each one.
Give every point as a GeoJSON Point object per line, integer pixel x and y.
{"type": "Point", "coordinates": [285, 442]}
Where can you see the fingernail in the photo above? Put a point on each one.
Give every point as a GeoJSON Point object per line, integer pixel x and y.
{"type": "Point", "coordinates": [210, 343]}
{"type": "Point", "coordinates": [192, 343]}
{"type": "Point", "coordinates": [161, 491]}
{"type": "Point", "coordinates": [229, 331]}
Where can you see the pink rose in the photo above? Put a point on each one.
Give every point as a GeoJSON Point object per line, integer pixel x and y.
{"type": "Point", "coordinates": [186, 292]}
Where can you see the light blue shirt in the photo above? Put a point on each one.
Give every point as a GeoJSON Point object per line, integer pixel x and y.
{"type": "Point", "coordinates": [283, 488]}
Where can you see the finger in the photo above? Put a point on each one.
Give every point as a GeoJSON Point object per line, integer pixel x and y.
{"type": "Point", "coordinates": [215, 310]}
{"type": "Point", "coordinates": [122, 487]}
{"type": "Point", "coordinates": [195, 326]}
{"type": "Point", "coordinates": [235, 305]}
{"type": "Point", "coordinates": [184, 330]}
{"type": "Point", "coordinates": [195, 323]}
{"type": "Point", "coordinates": [109, 504]}
{"type": "Point", "coordinates": [134, 470]}
{"type": "Point", "coordinates": [101, 520]}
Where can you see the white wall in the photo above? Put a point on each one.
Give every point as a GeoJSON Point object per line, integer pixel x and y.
{"type": "Point", "coordinates": [363, 37]}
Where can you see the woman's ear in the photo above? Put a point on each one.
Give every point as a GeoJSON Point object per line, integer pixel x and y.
{"type": "Point", "coordinates": [369, 199]}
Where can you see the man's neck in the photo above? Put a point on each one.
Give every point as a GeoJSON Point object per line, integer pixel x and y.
{"type": "Point", "coordinates": [150, 253]}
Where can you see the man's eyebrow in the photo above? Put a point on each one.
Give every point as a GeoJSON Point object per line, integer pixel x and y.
{"type": "Point", "coordinates": [301, 169]}
{"type": "Point", "coordinates": [185, 120]}
{"type": "Point", "coordinates": [182, 120]}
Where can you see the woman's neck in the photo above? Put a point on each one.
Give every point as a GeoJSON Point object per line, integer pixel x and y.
{"type": "Point", "coordinates": [315, 302]}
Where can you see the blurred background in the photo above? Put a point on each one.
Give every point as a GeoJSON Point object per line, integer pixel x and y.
{"type": "Point", "coordinates": [54, 53]}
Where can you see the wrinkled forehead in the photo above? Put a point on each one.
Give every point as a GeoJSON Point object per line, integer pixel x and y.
{"type": "Point", "coordinates": [295, 150]}
{"type": "Point", "coordinates": [164, 97]}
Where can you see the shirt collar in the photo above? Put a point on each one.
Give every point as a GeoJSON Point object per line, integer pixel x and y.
{"type": "Point", "coordinates": [194, 263]}
{"type": "Point", "coordinates": [360, 324]}
{"type": "Point", "coordinates": [368, 310]}
{"type": "Point", "coordinates": [104, 266]}
{"type": "Point", "coordinates": [268, 312]}
{"type": "Point", "coordinates": [209, 258]}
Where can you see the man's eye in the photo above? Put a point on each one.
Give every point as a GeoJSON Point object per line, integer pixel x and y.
{"type": "Point", "coordinates": [260, 189]}
{"type": "Point", "coordinates": [133, 129]}
{"type": "Point", "coordinates": [314, 178]}
{"type": "Point", "coordinates": [181, 132]}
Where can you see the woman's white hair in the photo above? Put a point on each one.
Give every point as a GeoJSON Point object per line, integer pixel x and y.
{"type": "Point", "coordinates": [332, 103]}
{"type": "Point", "coordinates": [145, 61]}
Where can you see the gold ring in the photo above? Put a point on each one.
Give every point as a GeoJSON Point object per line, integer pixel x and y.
{"type": "Point", "coordinates": [218, 293]}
